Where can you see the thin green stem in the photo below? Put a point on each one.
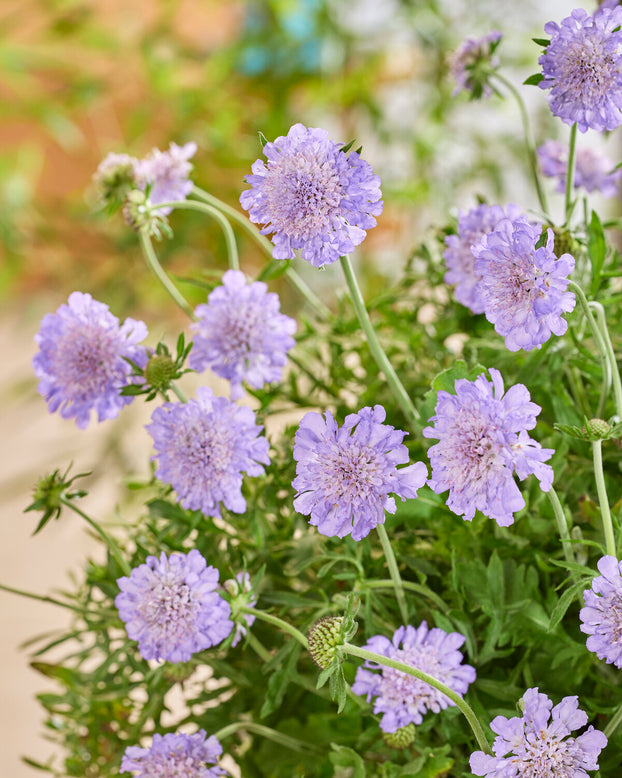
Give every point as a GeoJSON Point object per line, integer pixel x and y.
{"type": "Point", "coordinates": [154, 264]}
{"type": "Point", "coordinates": [393, 572]}
{"type": "Point", "coordinates": [601, 320]}
{"type": "Point", "coordinates": [401, 395]}
{"type": "Point", "coordinates": [463, 706]}
{"type": "Point", "coordinates": [114, 548]}
{"type": "Point", "coordinates": [614, 723]}
{"type": "Point", "coordinates": [277, 622]}
{"type": "Point", "coordinates": [41, 598]}
{"type": "Point", "coordinates": [409, 586]}
{"type": "Point", "coordinates": [179, 393]}
{"type": "Point", "coordinates": [562, 526]}
{"type": "Point", "coordinates": [572, 150]}
{"type": "Point", "coordinates": [605, 513]}
{"type": "Point", "coordinates": [258, 647]}
{"type": "Point", "coordinates": [270, 734]}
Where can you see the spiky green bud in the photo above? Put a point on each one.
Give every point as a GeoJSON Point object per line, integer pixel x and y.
{"type": "Point", "coordinates": [597, 428]}
{"type": "Point", "coordinates": [324, 637]}
{"type": "Point", "coordinates": [160, 371]}
{"type": "Point", "coordinates": [401, 738]}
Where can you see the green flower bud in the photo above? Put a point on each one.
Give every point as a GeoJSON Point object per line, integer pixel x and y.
{"type": "Point", "coordinates": [324, 637]}
{"type": "Point", "coordinates": [160, 371]}
{"type": "Point", "coordinates": [401, 738]}
{"type": "Point", "coordinates": [596, 428]}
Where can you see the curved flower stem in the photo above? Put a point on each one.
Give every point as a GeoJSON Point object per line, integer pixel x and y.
{"type": "Point", "coordinates": [610, 543]}
{"type": "Point", "coordinates": [270, 734]}
{"type": "Point", "coordinates": [572, 150]}
{"type": "Point", "coordinates": [154, 264]}
{"type": "Point", "coordinates": [409, 586]}
{"type": "Point", "coordinates": [614, 723]}
{"type": "Point", "coordinates": [258, 647]}
{"type": "Point", "coordinates": [179, 393]}
{"type": "Point", "coordinates": [114, 548]}
{"type": "Point", "coordinates": [296, 281]}
{"type": "Point", "coordinates": [277, 622]}
{"type": "Point", "coordinates": [393, 572]}
{"type": "Point", "coordinates": [464, 707]}
{"type": "Point", "coordinates": [401, 395]}
{"type": "Point", "coordinates": [562, 525]}
{"type": "Point", "coordinates": [601, 320]}
{"type": "Point", "coordinates": [529, 142]}
{"type": "Point", "coordinates": [42, 598]}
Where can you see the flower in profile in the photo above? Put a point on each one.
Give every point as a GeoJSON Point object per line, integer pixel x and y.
{"type": "Point", "coordinates": [538, 744]}
{"type": "Point", "coordinates": [175, 755]}
{"type": "Point", "coordinates": [81, 363]}
{"type": "Point", "coordinates": [166, 173]}
{"type": "Point", "coordinates": [472, 226]}
{"type": "Point", "coordinates": [601, 618]}
{"type": "Point", "coordinates": [115, 177]}
{"type": "Point", "coordinates": [203, 448]}
{"type": "Point", "coordinates": [473, 62]}
{"type": "Point", "coordinates": [345, 476]}
{"type": "Point", "coordinates": [582, 66]}
{"type": "Point", "coordinates": [482, 441]}
{"type": "Point", "coordinates": [312, 196]}
{"type": "Point", "coordinates": [171, 607]}
{"type": "Point", "coordinates": [523, 288]}
{"type": "Point", "coordinates": [594, 172]}
{"type": "Point", "coordinates": [241, 334]}
{"type": "Point", "coordinates": [240, 591]}
{"type": "Point", "coordinates": [401, 698]}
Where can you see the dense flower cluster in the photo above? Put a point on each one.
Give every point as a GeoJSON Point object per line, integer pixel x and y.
{"type": "Point", "coordinates": [582, 66]}
{"type": "Point", "coordinates": [312, 196]}
{"type": "Point", "coordinates": [82, 359]}
{"type": "Point", "coordinates": [241, 334]}
{"type": "Point", "coordinates": [594, 172]}
{"type": "Point", "coordinates": [171, 607]}
{"type": "Point", "coordinates": [472, 62]}
{"type": "Point", "coordinates": [203, 448]}
{"type": "Point", "coordinates": [344, 475]}
{"type": "Point", "coordinates": [537, 743]}
{"type": "Point", "coordinates": [167, 174]}
{"type": "Point", "coordinates": [174, 756]}
{"type": "Point", "coordinates": [401, 698]}
{"type": "Point", "coordinates": [601, 618]}
{"type": "Point", "coordinates": [483, 441]}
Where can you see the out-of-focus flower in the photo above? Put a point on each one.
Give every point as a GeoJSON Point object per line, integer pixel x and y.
{"type": "Point", "coordinates": [473, 62]}
{"type": "Point", "coordinates": [601, 618]}
{"type": "Point", "coordinates": [594, 172]}
{"type": "Point", "coordinates": [167, 174]}
{"type": "Point", "coordinates": [175, 756]}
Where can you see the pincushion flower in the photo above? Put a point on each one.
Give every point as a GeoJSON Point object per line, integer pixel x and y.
{"type": "Point", "coordinates": [473, 62]}
{"type": "Point", "coordinates": [594, 172]}
{"type": "Point", "coordinates": [166, 173]}
{"type": "Point", "coordinates": [472, 226]}
{"type": "Point", "coordinates": [312, 196]}
{"type": "Point", "coordinates": [241, 334]}
{"type": "Point", "coordinates": [203, 448]}
{"type": "Point", "coordinates": [174, 756]}
{"type": "Point", "coordinates": [401, 698]}
{"type": "Point", "coordinates": [115, 177]}
{"type": "Point", "coordinates": [537, 744]}
{"type": "Point", "coordinates": [171, 607]}
{"type": "Point", "coordinates": [523, 288]}
{"type": "Point", "coordinates": [345, 475]}
{"type": "Point", "coordinates": [582, 66]}
{"type": "Point", "coordinates": [483, 441]}
{"type": "Point", "coordinates": [81, 363]}
{"type": "Point", "coordinates": [601, 618]}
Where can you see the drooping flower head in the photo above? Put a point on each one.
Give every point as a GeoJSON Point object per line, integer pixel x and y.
{"type": "Point", "coordinates": [240, 591]}
{"type": "Point", "coordinates": [203, 448]}
{"type": "Point", "coordinates": [312, 196]}
{"type": "Point", "coordinates": [594, 172]}
{"type": "Point", "coordinates": [345, 475]}
{"type": "Point", "coordinates": [472, 226]}
{"type": "Point", "coordinates": [601, 618]}
{"type": "Point", "coordinates": [115, 177]}
{"type": "Point", "coordinates": [171, 607]}
{"type": "Point", "coordinates": [482, 441]}
{"type": "Point", "coordinates": [582, 66]}
{"type": "Point", "coordinates": [167, 173]}
{"type": "Point", "coordinates": [241, 334]}
{"type": "Point", "coordinates": [473, 62]}
{"type": "Point", "coordinates": [81, 363]}
{"type": "Point", "coordinates": [537, 744]}
{"type": "Point", "coordinates": [523, 288]}
{"type": "Point", "coordinates": [174, 756]}
{"type": "Point", "coordinates": [401, 698]}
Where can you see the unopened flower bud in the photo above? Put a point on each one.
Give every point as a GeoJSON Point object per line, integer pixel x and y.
{"type": "Point", "coordinates": [140, 213]}
{"type": "Point", "coordinates": [598, 428]}
{"type": "Point", "coordinates": [324, 637]}
{"type": "Point", "coordinates": [401, 738]}
{"type": "Point", "coordinates": [160, 371]}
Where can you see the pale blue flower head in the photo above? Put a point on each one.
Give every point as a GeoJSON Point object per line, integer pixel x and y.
{"type": "Point", "coordinates": [175, 756]}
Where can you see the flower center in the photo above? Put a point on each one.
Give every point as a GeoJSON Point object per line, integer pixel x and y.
{"type": "Point", "coordinates": [353, 471]}
{"type": "Point", "coordinates": [589, 71]}
{"type": "Point", "coordinates": [170, 605]}
{"type": "Point", "coordinates": [404, 689]}
{"type": "Point", "coordinates": [473, 451]}
{"type": "Point", "coordinates": [86, 359]}
{"type": "Point", "coordinates": [208, 446]}
{"type": "Point", "coordinates": [546, 756]}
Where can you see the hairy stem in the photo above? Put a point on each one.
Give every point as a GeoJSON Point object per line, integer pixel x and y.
{"type": "Point", "coordinates": [154, 264]}
{"type": "Point", "coordinates": [610, 543]}
{"type": "Point", "coordinates": [277, 622]}
{"type": "Point", "coordinates": [562, 526]}
{"type": "Point", "coordinates": [393, 572]}
{"type": "Point", "coordinates": [601, 321]}
{"type": "Point", "coordinates": [572, 150]}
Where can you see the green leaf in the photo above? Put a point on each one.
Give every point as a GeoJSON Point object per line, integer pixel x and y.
{"type": "Point", "coordinates": [348, 146]}
{"type": "Point", "coordinates": [279, 681]}
{"type": "Point", "coordinates": [347, 763]}
{"type": "Point", "coordinates": [262, 139]}
{"type": "Point", "coordinates": [544, 42]}
{"type": "Point", "coordinates": [274, 269]}
{"type": "Point", "coordinates": [533, 80]}
{"type": "Point", "coordinates": [597, 250]}
{"type": "Point", "coordinates": [564, 602]}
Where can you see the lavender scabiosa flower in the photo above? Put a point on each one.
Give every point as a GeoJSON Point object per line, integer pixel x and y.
{"type": "Point", "coordinates": [593, 170]}
{"type": "Point", "coordinates": [582, 66]}
{"type": "Point", "coordinates": [175, 755]}
{"type": "Point", "coordinates": [240, 591]}
{"type": "Point", "coordinates": [472, 226]}
{"type": "Point", "coordinates": [81, 363]}
{"type": "Point", "coordinates": [401, 698]}
{"type": "Point", "coordinates": [537, 743]}
{"type": "Point", "coordinates": [241, 334]}
{"type": "Point", "coordinates": [473, 62]}
{"type": "Point", "coordinates": [483, 441]}
{"type": "Point", "coordinates": [344, 476]}
{"type": "Point", "coordinates": [601, 618]}
{"type": "Point", "coordinates": [203, 448]}
{"type": "Point", "coordinates": [312, 196]}
{"type": "Point", "coordinates": [523, 288]}
{"type": "Point", "coordinates": [167, 174]}
{"type": "Point", "coordinates": [170, 606]}
{"type": "Point", "coordinates": [115, 177]}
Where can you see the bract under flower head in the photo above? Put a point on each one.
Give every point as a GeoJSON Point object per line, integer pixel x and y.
{"type": "Point", "coordinates": [241, 334]}
{"type": "Point", "coordinates": [523, 288]}
{"type": "Point", "coordinates": [167, 174]}
{"type": "Point", "coordinates": [344, 476]}
{"type": "Point", "coordinates": [601, 618]}
{"type": "Point", "coordinates": [240, 591]}
{"type": "Point", "coordinates": [593, 170]}
{"type": "Point", "coordinates": [537, 743]}
{"type": "Point", "coordinates": [81, 363]}
{"type": "Point", "coordinates": [473, 62]}
{"type": "Point", "coordinates": [170, 606]}
{"type": "Point", "coordinates": [174, 756]}
{"type": "Point", "coordinates": [312, 196]}
{"type": "Point", "coordinates": [483, 441]}
{"type": "Point", "coordinates": [582, 66]}
{"type": "Point", "coordinates": [401, 698]}
{"type": "Point", "coordinates": [203, 448]}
